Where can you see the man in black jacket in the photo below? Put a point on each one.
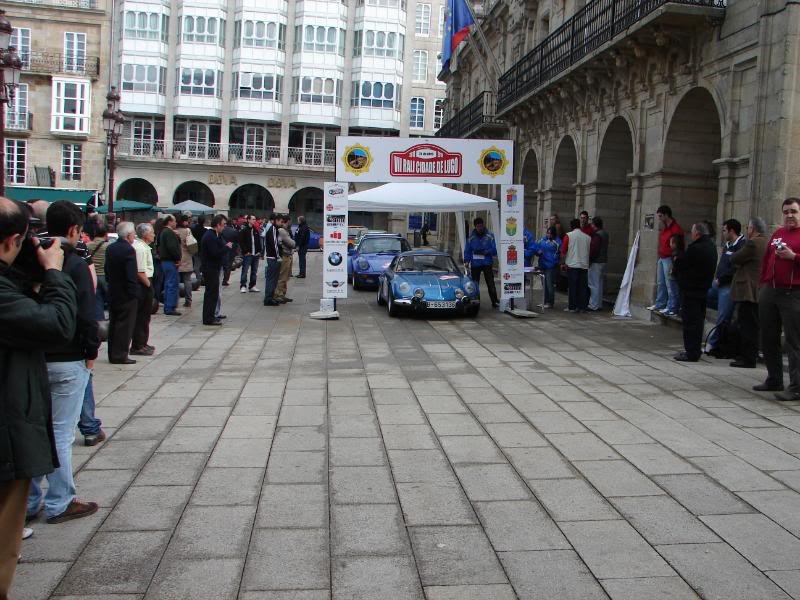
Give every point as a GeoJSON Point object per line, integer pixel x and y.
{"type": "Point", "coordinates": [229, 234]}
{"type": "Point", "coordinates": [694, 272]}
{"type": "Point", "coordinates": [68, 368]}
{"type": "Point", "coordinates": [123, 294]}
{"type": "Point", "coordinates": [28, 327]}
{"type": "Point", "coordinates": [250, 246]}
{"type": "Point", "coordinates": [272, 259]}
{"type": "Point", "coordinates": [213, 252]}
{"type": "Point", "coordinates": [301, 239]}
{"type": "Point", "coordinates": [169, 250]}
{"type": "Point", "coordinates": [721, 287]}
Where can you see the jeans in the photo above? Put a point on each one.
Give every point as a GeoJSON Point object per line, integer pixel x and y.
{"type": "Point", "coordinates": [578, 288]}
{"type": "Point", "coordinates": [186, 279]}
{"type": "Point", "coordinates": [597, 276]}
{"type": "Point", "coordinates": [101, 293]}
{"type": "Point", "coordinates": [249, 262]}
{"type": "Point", "coordinates": [271, 271]}
{"type": "Point", "coordinates": [693, 314]}
{"type": "Point", "coordinates": [67, 389]}
{"type": "Point", "coordinates": [667, 294]}
{"type": "Point", "coordinates": [301, 257]}
{"type": "Point", "coordinates": [550, 276]}
{"type": "Point", "coordinates": [89, 424]}
{"type": "Point", "coordinates": [721, 296]}
{"type": "Point", "coordinates": [170, 285]}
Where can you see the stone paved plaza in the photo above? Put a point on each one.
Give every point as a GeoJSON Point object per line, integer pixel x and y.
{"type": "Point", "coordinates": [568, 457]}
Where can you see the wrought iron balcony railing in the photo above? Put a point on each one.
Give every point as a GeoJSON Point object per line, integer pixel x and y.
{"type": "Point", "coordinates": [479, 112]}
{"type": "Point", "coordinates": [90, 4]}
{"type": "Point", "coordinates": [598, 22]}
{"type": "Point", "coordinates": [54, 62]}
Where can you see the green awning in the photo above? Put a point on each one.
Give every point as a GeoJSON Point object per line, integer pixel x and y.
{"type": "Point", "coordinates": [22, 194]}
{"type": "Point", "coordinates": [126, 206]}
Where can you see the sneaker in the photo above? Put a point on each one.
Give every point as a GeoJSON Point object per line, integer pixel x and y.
{"type": "Point", "coordinates": [243, 289]}
{"type": "Point", "coordinates": [669, 313]}
{"type": "Point", "coordinates": [254, 289]}
{"type": "Point", "coordinates": [654, 307]}
{"type": "Point", "coordinates": [547, 306]}
{"type": "Point", "coordinates": [27, 532]}
{"type": "Point", "coordinates": [75, 510]}
{"type": "Point", "coordinates": [94, 438]}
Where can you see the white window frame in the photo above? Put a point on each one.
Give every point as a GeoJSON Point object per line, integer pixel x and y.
{"type": "Point", "coordinates": [192, 33]}
{"type": "Point", "coordinates": [74, 52]}
{"type": "Point", "coordinates": [438, 113]}
{"type": "Point", "coordinates": [276, 39]}
{"type": "Point", "coordinates": [192, 88]}
{"type": "Point", "coordinates": [17, 111]}
{"type": "Point", "coordinates": [420, 66]}
{"type": "Point", "coordinates": [442, 20]}
{"type": "Point", "coordinates": [16, 162]}
{"type": "Point", "coordinates": [71, 162]}
{"type": "Point", "coordinates": [137, 78]}
{"type": "Point", "coordinates": [146, 32]}
{"type": "Point", "coordinates": [387, 100]}
{"type": "Point", "coordinates": [21, 40]}
{"type": "Point", "coordinates": [79, 121]}
{"type": "Point", "coordinates": [422, 19]}
{"type": "Point", "coordinates": [252, 86]}
{"type": "Point", "coordinates": [312, 89]}
{"type": "Point", "coordinates": [417, 114]}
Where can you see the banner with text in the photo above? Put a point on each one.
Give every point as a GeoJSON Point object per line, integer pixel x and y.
{"type": "Point", "coordinates": [512, 241]}
{"type": "Point", "coordinates": [432, 160]}
{"type": "Point", "coordinates": [334, 252]}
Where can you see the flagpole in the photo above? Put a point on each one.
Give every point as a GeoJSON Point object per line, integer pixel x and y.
{"type": "Point", "coordinates": [485, 43]}
{"type": "Point", "coordinates": [492, 79]}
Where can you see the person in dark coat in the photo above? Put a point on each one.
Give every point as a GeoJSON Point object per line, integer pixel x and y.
{"type": "Point", "coordinates": [302, 239]}
{"type": "Point", "coordinates": [213, 253]}
{"type": "Point", "coordinates": [169, 251]}
{"type": "Point", "coordinates": [229, 234]}
{"type": "Point", "coordinates": [28, 327]}
{"type": "Point", "coordinates": [744, 292]}
{"type": "Point", "coordinates": [123, 294]}
{"type": "Point", "coordinates": [250, 246]}
{"type": "Point", "coordinates": [694, 272]}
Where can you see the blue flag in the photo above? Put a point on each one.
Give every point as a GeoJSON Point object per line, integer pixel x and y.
{"type": "Point", "coordinates": [458, 19]}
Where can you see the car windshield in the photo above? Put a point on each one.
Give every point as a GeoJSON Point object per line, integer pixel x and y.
{"type": "Point", "coordinates": [422, 262]}
{"type": "Point", "coordinates": [354, 231]}
{"type": "Point", "coordinates": [383, 244]}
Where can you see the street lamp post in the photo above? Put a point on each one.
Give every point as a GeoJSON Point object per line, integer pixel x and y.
{"type": "Point", "coordinates": [113, 122]}
{"type": "Point", "coordinates": [10, 67]}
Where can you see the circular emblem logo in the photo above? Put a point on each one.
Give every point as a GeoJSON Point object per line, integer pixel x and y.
{"type": "Point", "coordinates": [493, 162]}
{"type": "Point", "coordinates": [335, 258]}
{"type": "Point", "coordinates": [357, 159]}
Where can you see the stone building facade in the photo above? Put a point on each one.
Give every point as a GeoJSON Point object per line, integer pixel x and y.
{"type": "Point", "coordinates": [54, 134]}
{"type": "Point", "coordinates": [619, 106]}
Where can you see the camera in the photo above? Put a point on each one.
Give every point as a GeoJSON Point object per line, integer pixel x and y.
{"type": "Point", "coordinates": [778, 243]}
{"type": "Point", "coordinates": [26, 267]}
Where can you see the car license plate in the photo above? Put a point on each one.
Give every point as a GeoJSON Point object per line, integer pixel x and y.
{"type": "Point", "coordinates": [441, 304]}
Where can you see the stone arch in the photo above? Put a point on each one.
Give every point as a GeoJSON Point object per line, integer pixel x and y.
{"type": "Point", "coordinates": [308, 202]}
{"type": "Point", "coordinates": [193, 190]}
{"type": "Point", "coordinates": [137, 189]}
{"type": "Point", "coordinates": [689, 179]}
{"type": "Point", "coordinates": [251, 198]}
{"type": "Point", "coordinates": [560, 198]}
{"type": "Point", "coordinates": [530, 179]}
{"type": "Point", "coordinates": [612, 191]}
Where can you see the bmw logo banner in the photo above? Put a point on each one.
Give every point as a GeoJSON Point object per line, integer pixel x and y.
{"type": "Point", "coordinates": [334, 263]}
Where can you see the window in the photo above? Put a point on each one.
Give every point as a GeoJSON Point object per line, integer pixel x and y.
{"type": "Point", "coordinates": [442, 18]}
{"type": "Point", "coordinates": [199, 82]}
{"type": "Point", "coordinates": [375, 94]}
{"type": "Point", "coordinates": [17, 115]}
{"type": "Point", "coordinates": [317, 90]}
{"type": "Point", "coordinates": [319, 39]}
{"type": "Point", "coordinates": [423, 19]}
{"type": "Point", "coordinates": [16, 160]}
{"type": "Point", "coordinates": [144, 78]}
{"type": "Point", "coordinates": [420, 65]}
{"type": "Point", "coordinates": [417, 117]}
{"type": "Point", "coordinates": [145, 26]}
{"type": "Point", "coordinates": [378, 43]}
{"type": "Point", "coordinates": [438, 70]}
{"type": "Point", "coordinates": [71, 105]}
{"type": "Point", "coordinates": [74, 52]}
{"type": "Point", "coordinates": [71, 162]}
{"type": "Point", "coordinates": [258, 86]}
{"type": "Point", "coordinates": [438, 113]}
{"type": "Point", "coordinates": [260, 34]}
{"type": "Point", "coordinates": [385, 3]}
{"type": "Point", "coordinates": [202, 30]}
{"type": "Point", "coordinates": [21, 40]}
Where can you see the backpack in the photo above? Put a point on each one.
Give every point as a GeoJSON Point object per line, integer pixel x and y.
{"type": "Point", "coordinates": [728, 339]}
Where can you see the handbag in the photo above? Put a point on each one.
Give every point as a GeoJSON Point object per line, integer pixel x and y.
{"type": "Point", "coordinates": [191, 243]}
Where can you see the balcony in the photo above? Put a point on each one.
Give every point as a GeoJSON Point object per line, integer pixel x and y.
{"type": "Point", "coordinates": [592, 28]}
{"type": "Point", "coordinates": [254, 154]}
{"type": "Point", "coordinates": [82, 4]}
{"type": "Point", "coordinates": [52, 63]}
{"type": "Point", "coordinates": [478, 114]}
{"type": "Point", "coordinates": [19, 122]}
{"type": "Point", "coordinates": [312, 157]}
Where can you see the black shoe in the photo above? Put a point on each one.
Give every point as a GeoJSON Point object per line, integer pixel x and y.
{"type": "Point", "coordinates": [173, 313]}
{"type": "Point", "coordinates": [142, 351]}
{"type": "Point", "coordinates": [187, 304]}
{"type": "Point", "coordinates": [288, 300]}
{"type": "Point", "coordinates": [683, 357]}
{"type": "Point", "coordinates": [214, 323]}
{"type": "Point", "coordinates": [495, 304]}
{"type": "Point", "coordinates": [787, 396]}
{"type": "Point", "coordinates": [225, 283]}
{"type": "Point", "coordinates": [221, 317]}
{"type": "Point", "coordinates": [768, 387]}
{"type": "Point", "coordinates": [742, 364]}
{"type": "Point", "coordinates": [271, 303]}
{"type": "Point", "coordinates": [94, 438]}
{"type": "Point", "coordinates": [127, 361]}
{"type": "Point", "coordinates": [716, 353]}
{"type": "Point", "coordinates": [301, 276]}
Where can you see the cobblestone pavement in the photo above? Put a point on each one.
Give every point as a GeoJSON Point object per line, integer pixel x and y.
{"type": "Point", "coordinates": [567, 457]}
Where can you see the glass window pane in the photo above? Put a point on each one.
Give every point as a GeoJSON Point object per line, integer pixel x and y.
{"type": "Point", "coordinates": [388, 91]}
{"type": "Point", "coordinates": [141, 20]}
{"type": "Point", "coordinates": [152, 74]}
{"type": "Point", "coordinates": [209, 79]}
{"type": "Point", "coordinates": [377, 90]}
{"type": "Point", "coordinates": [366, 89]}
{"type": "Point", "coordinates": [257, 81]}
{"type": "Point", "coordinates": [200, 25]}
{"type": "Point", "coordinates": [331, 35]}
{"type": "Point", "coordinates": [212, 26]}
{"type": "Point", "coordinates": [317, 85]}
{"type": "Point", "coordinates": [127, 72]}
{"type": "Point", "coordinates": [306, 84]}
{"type": "Point", "coordinates": [139, 72]}
{"type": "Point", "coordinates": [197, 78]}
{"type": "Point", "coordinates": [188, 25]}
{"type": "Point", "coordinates": [320, 35]}
{"type": "Point", "coordinates": [380, 40]}
{"type": "Point", "coordinates": [269, 82]}
{"type": "Point", "coordinates": [130, 19]}
{"type": "Point", "coordinates": [186, 76]}
{"type": "Point", "coordinates": [329, 86]}
{"type": "Point", "coordinates": [271, 30]}
{"type": "Point", "coordinates": [391, 40]}
{"type": "Point", "coordinates": [370, 38]}
{"type": "Point", "coordinates": [154, 21]}
{"type": "Point", "coordinates": [261, 29]}
{"type": "Point", "coordinates": [248, 29]}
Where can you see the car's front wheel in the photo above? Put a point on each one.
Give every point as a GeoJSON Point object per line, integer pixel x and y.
{"type": "Point", "coordinates": [381, 301]}
{"type": "Point", "coordinates": [394, 310]}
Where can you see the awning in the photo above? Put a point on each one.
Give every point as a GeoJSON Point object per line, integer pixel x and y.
{"type": "Point", "coordinates": [126, 206]}
{"type": "Point", "coordinates": [22, 194]}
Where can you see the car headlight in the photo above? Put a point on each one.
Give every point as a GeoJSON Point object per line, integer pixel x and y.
{"type": "Point", "coordinates": [470, 287]}
{"type": "Point", "coordinates": [404, 288]}
{"type": "Point", "coordinates": [363, 264]}
{"type": "Point", "coordinates": [459, 293]}
{"type": "Point", "coordinates": [419, 293]}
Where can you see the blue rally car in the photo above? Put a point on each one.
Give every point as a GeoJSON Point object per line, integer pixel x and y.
{"type": "Point", "coordinates": [371, 257]}
{"type": "Point", "coordinates": [421, 281]}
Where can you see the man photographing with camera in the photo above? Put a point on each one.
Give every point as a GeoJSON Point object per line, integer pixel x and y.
{"type": "Point", "coordinates": [28, 327]}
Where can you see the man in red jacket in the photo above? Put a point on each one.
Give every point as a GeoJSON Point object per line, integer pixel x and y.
{"type": "Point", "coordinates": [779, 303]}
{"type": "Point", "coordinates": [667, 294]}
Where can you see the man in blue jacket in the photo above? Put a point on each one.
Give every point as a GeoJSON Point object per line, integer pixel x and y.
{"type": "Point", "coordinates": [479, 254]}
{"type": "Point", "coordinates": [530, 247]}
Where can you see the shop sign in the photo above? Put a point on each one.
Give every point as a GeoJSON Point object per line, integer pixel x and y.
{"type": "Point", "coordinates": [281, 182]}
{"type": "Point", "coordinates": [221, 179]}
{"type": "Point", "coordinates": [334, 254]}
{"type": "Point", "coordinates": [512, 241]}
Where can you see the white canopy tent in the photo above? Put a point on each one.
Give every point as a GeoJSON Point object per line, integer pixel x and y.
{"type": "Point", "coordinates": [424, 197]}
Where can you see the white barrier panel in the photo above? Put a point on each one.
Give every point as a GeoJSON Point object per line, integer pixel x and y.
{"type": "Point", "coordinates": [432, 160]}
{"type": "Point", "coordinates": [512, 241]}
{"type": "Point", "coordinates": [334, 254]}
